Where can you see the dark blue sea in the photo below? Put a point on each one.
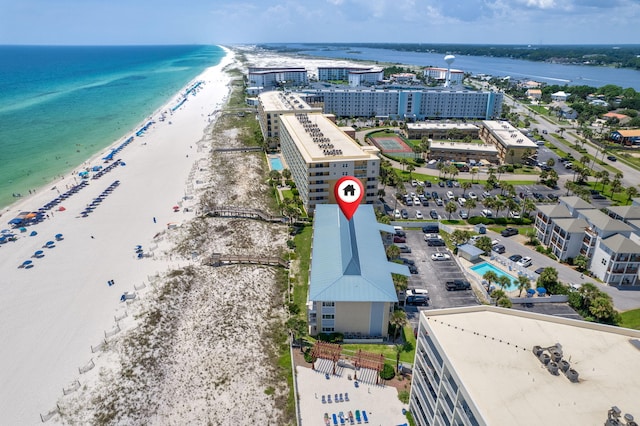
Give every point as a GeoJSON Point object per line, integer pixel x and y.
{"type": "Point", "coordinates": [61, 105]}
{"type": "Point", "coordinates": [500, 67]}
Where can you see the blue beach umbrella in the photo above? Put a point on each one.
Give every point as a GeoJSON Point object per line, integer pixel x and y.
{"type": "Point", "coordinates": [58, 237]}
{"type": "Point", "coordinates": [33, 234]}
{"type": "Point", "coordinates": [27, 262]}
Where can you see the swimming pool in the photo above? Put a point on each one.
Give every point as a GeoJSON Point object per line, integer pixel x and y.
{"type": "Point", "coordinates": [484, 267]}
{"type": "Point", "coordinates": [276, 163]}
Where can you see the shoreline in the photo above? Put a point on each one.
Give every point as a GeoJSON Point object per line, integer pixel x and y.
{"type": "Point", "coordinates": [96, 156]}
{"type": "Point", "coordinates": [53, 313]}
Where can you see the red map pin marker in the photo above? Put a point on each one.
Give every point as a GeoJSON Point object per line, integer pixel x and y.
{"type": "Point", "coordinates": [348, 192]}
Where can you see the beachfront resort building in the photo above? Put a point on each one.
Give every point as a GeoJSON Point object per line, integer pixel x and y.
{"type": "Point", "coordinates": [271, 105]}
{"type": "Point", "coordinates": [350, 286]}
{"type": "Point", "coordinates": [575, 227]}
{"type": "Point", "coordinates": [408, 104]}
{"type": "Point", "coordinates": [270, 78]}
{"type": "Point", "coordinates": [485, 365]}
{"type": "Point", "coordinates": [511, 143]}
{"type": "Point", "coordinates": [440, 75]}
{"type": "Point", "coordinates": [365, 77]}
{"type": "Point", "coordinates": [318, 153]}
{"type": "Point", "coordinates": [369, 74]}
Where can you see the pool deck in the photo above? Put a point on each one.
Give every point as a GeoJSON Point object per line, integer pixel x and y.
{"type": "Point", "coordinates": [381, 403]}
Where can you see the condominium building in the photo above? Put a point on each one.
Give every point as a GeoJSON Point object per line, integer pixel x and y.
{"type": "Point", "coordinates": [350, 286]}
{"type": "Point", "coordinates": [340, 73]}
{"type": "Point", "coordinates": [566, 237]}
{"type": "Point", "coordinates": [485, 365]}
{"type": "Point", "coordinates": [365, 77]}
{"type": "Point", "coordinates": [616, 261]}
{"type": "Point", "coordinates": [512, 145]}
{"type": "Point", "coordinates": [269, 78]}
{"type": "Point", "coordinates": [600, 227]}
{"type": "Point", "coordinates": [440, 74]}
{"type": "Point", "coordinates": [464, 152]}
{"type": "Point", "coordinates": [318, 153]}
{"type": "Point", "coordinates": [271, 105]}
{"type": "Point", "coordinates": [409, 104]}
{"type": "Point", "coordinates": [438, 130]}
{"type": "Point", "coordinates": [546, 216]}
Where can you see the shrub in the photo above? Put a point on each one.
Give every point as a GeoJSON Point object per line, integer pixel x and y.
{"type": "Point", "coordinates": [291, 244]}
{"type": "Point", "coordinates": [387, 372]}
{"type": "Point", "coordinates": [403, 396]}
{"type": "Point", "coordinates": [308, 357]}
{"type": "Point", "coordinates": [331, 337]}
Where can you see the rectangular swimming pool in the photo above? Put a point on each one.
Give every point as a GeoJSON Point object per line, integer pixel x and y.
{"type": "Point", "coordinates": [276, 163]}
{"type": "Point", "coordinates": [484, 267]}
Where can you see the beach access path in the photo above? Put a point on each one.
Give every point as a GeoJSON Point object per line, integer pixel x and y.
{"type": "Point", "coordinates": [51, 314]}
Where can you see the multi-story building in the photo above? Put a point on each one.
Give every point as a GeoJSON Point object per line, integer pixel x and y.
{"type": "Point", "coordinates": [546, 215]}
{"type": "Point", "coordinates": [566, 237]}
{"type": "Point", "coordinates": [512, 145]}
{"type": "Point", "coordinates": [318, 153]}
{"type": "Point", "coordinates": [616, 261]}
{"type": "Point", "coordinates": [269, 78]}
{"type": "Point", "coordinates": [339, 73]}
{"type": "Point", "coordinates": [409, 104]}
{"type": "Point", "coordinates": [271, 105]}
{"type": "Point", "coordinates": [351, 290]}
{"type": "Point", "coordinates": [404, 77]}
{"type": "Point", "coordinates": [365, 77]}
{"type": "Point", "coordinates": [440, 74]}
{"type": "Point", "coordinates": [600, 227]}
{"type": "Point", "coordinates": [485, 365]}
{"type": "Point", "coordinates": [438, 130]}
{"type": "Point", "coordinates": [464, 152]}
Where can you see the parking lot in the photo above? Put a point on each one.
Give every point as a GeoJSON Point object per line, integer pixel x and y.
{"type": "Point", "coordinates": [432, 276]}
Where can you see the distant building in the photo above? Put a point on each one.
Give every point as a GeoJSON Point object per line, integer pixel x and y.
{"type": "Point", "coordinates": [622, 119]}
{"type": "Point", "coordinates": [270, 78]}
{"type": "Point", "coordinates": [351, 290]}
{"type": "Point", "coordinates": [534, 94]}
{"type": "Point", "coordinates": [560, 96]}
{"type": "Point", "coordinates": [439, 130]}
{"type": "Point", "coordinates": [440, 74]}
{"type": "Point", "coordinates": [405, 77]}
{"type": "Point", "coordinates": [626, 137]}
{"type": "Point", "coordinates": [339, 73]}
{"type": "Point", "coordinates": [485, 365]}
{"type": "Point", "coordinates": [408, 104]}
{"type": "Point", "coordinates": [509, 141]}
{"type": "Point", "coordinates": [318, 153]}
{"type": "Point", "coordinates": [463, 152]}
{"type": "Point", "coordinates": [365, 77]}
{"type": "Point", "coordinates": [272, 104]}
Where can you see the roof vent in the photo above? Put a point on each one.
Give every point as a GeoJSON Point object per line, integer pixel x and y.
{"type": "Point", "coordinates": [572, 375]}
{"type": "Point", "coordinates": [613, 418]}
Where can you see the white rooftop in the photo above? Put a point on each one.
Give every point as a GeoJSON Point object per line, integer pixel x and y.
{"type": "Point", "coordinates": [460, 146]}
{"type": "Point", "coordinates": [490, 350]}
{"type": "Point", "coordinates": [443, 126]}
{"type": "Point", "coordinates": [508, 135]}
{"type": "Point", "coordinates": [280, 101]}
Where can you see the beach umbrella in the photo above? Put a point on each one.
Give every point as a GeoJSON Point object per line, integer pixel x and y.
{"type": "Point", "coordinates": [27, 262]}
{"type": "Point", "coordinates": [531, 291]}
{"type": "Point", "coordinates": [50, 244]}
{"type": "Point", "coordinates": [33, 234]}
{"type": "Point", "coordinates": [23, 229]}
{"type": "Point", "coordinates": [38, 253]}
{"type": "Point", "coordinates": [58, 236]}
{"type": "Point", "coordinates": [61, 209]}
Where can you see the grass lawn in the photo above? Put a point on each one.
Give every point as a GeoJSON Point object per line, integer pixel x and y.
{"type": "Point", "coordinates": [287, 194]}
{"type": "Point", "coordinates": [303, 253]}
{"type": "Point", "coordinates": [388, 351]}
{"type": "Point", "coordinates": [631, 319]}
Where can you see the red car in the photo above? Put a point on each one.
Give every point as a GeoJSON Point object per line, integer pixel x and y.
{"type": "Point", "coordinates": [399, 239]}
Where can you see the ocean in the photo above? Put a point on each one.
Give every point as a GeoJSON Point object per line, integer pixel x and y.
{"type": "Point", "coordinates": [60, 105]}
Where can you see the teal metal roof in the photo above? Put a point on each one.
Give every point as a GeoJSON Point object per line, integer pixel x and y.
{"type": "Point", "coordinates": [348, 260]}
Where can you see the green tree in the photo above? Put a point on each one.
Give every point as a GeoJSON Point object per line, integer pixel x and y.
{"type": "Point", "coordinates": [605, 180]}
{"type": "Point", "coordinates": [400, 282]}
{"type": "Point", "coordinates": [503, 281]}
{"type": "Point", "coordinates": [398, 320]}
{"type": "Point", "coordinates": [275, 176]}
{"type": "Point", "coordinates": [581, 261]}
{"type": "Point", "coordinates": [490, 277]}
{"type": "Point", "coordinates": [470, 204]}
{"type": "Point", "coordinates": [460, 236]}
{"type": "Point", "coordinates": [484, 244]}
{"type": "Point", "coordinates": [548, 278]}
{"type": "Point", "coordinates": [523, 284]}
{"type": "Point", "coordinates": [393, 252]}
{"type": "Point", "coordinates": [410, 168]}
{"type": "Point", "coordinates": [465, 186]}
{"type": "Point", "coordinates": [403, 162]}
{"type": "Point", "coordinates": [297, 327]}
{"type": "Point", "coordinates": [631, 192]}
{"type": "Point", "coordinates": [451, 208]}
{"type": "Point", "coordinates": [474, 171]}
{"type": "Point", "coordinates": [551, 162]}
{"type": "Point", "coordinates": [286, 173]}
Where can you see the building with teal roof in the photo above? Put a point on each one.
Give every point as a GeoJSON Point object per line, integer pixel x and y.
{"type": "Point", "coordinates": [351, 290]}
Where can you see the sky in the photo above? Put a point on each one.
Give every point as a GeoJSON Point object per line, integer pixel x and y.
{"type": "Point", "coordinates": [121, 22]}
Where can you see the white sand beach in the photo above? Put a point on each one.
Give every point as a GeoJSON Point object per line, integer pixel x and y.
{"type": "Point", "coordinates": [53, 313]}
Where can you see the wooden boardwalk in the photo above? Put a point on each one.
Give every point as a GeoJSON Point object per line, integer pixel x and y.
{"type": "Point", "coordinates": [230, 211]}
{"type": "Point", "coordinates": [218, 259]}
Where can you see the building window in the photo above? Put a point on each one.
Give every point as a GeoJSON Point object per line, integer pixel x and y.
{"type": "Point", "coordinates": [328, 329]}
{"type": "Point", "coordinates": [328, 316]}
{"type": "Point", "coordinates": [328, 303]}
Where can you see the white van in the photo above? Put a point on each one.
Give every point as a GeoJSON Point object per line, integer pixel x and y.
{"type": "Point", "coordinates": [450, 195]}
{"type": "Point", "coordinates": [462, 201]}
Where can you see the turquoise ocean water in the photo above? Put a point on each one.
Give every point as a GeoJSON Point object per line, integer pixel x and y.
{"type": "Point", "coordinates": [61, 105]}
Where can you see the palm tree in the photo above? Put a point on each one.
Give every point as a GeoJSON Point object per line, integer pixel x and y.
{"type": "Point", "coordinates": [475, 170]}
{"type": "Point", "coordinates": [490, 277]}
{"type": "Point", "coordinates": [465, 186]}
{"type": "Point", "coordinates": [616, 186]}
{"type": "Point", "coordinates": [410, 168]}
{"type": "Point", "coordinates": [441, 167]}
{"type": "Point", "coordinates": [297, 327]}
{"type": "Point", "coordinates": [511, 204]}
{"type": "Point", "coordinates": [523, 284]}
{"type": "Point", "coordinates": [403, 162]}
{"type": "Point", "coordinates": [286, 173]}
{"type": "Point", "coordinates": [498, 204]}
{"type": "Point", "coordinates": [631, 192]}
{"type": "Point", "coordinates": [528, 206]}
{"type": "Point", "coordinates": [393, 252]}
{"type": "Point", "coordinates": [398, 320]}
{"type": "Point", "coordinates": [400, 282]}
{"type": "Point", "coordinates": [471, 204]}
{"type": "Point", "coordinates": [605, 179]}
{"type": "Point", "coordinates": [451, 207]}
{"type": "Point", "coordinates": [503, 281]}
{"type": "Point", "coordinates": [581, 261]}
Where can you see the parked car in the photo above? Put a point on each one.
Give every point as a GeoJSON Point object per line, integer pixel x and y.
{"type": "Point", "coordinates": [440, 256]}
{"type": "Point", "coordinates": [434, 214]}
{"type": "Point", "coordinates": [456, 184]}
{"type": "Point", "coordinates": [439, 202]}
{"type": "Point", "coordinates": [464, 214]}
{"type": "Point", "coordinates": [416, 300]}
{"type": "Point", "coordinates": [400, 233]}
{"type": "Point", "coordinates": [431, 228]}
{"type": "Point", "coordinates": [435, 195]}
{"type": "Point", "coordinates": [436, 242]}
{"type": "Point", "coordinates": [419, 215]}
{"type": "Point", "coordinates": [568, 165]}
{"type": "Point", "coordinates": [514, 214]}
{"type": "Point", "coordinates": [525, 262]}
{"type": "Point", "coordinates": [450, 195]}
{"type": "Point", "coordinates": [399, 239]}
{"type": "Point", "coordinates": [414, 183]}
{"type": "Point", "coordinates": [612, 158]}
{"type": "Point", "coordinates": [515, 257]}
{"type": "Point", "coordinates": [487, 213]}
{"type": "Point", "coordinates": [441, 184]}
{"type": "Point", "coordinates": [472, 196]}
{"type": "Point", "coordinates": [539, 270]}
{"type": "Point", "coordinates": [404, 213]}
{"type": "Point", "coordinates": [458, 285]}
{"type": "Point", "coordinates": [427, 184]}
{"type": "Point", "coordinates": [404, 248]}
{"type": "Point", "coordinates": [462, 201]}
{"type": "Point", "coordinates": [397, 214]}
{"type": "Point", "coordinates": [413, 269]}
{"type": "Point", "coordinates": [499, 248]}
{"type": "Point", "coordinates": [425, 202]}
{"type": "Point", "coordinates": [507, 232]}
{"type": "Point", "coordinates": [544, 132]}
{"type": "Point", "coordinates": [406, 261]}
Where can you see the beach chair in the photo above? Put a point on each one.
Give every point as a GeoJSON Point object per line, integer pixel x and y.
{"type": "Point", "coordinates": [341, 416]}
{"type": "Point", "coordinates": [341, 398]}
{"type": "Point", "coordinates": [356, 384]}
{"type": "Point", "coordinates": [335, 419]}
{"type": "Point", "coordinates": [336, 398]}
{"type": "Point", "coordinates": [346, 396]}
{"type": "Point", "coordinates": [364, 416]}
{"type": "Point", "coordinates": [329, 398]}
{"type": "Point", "coordinates": [351, 417]}
{"type": "Point", "coordinates": [324, 399]}
{"type": "Point", "coordinates": [358, 419]}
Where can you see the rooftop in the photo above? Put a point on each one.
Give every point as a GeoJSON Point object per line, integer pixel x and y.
{"type": "Point", "coordinates": [348, 260]}
{"type": "Point", "coordinates": [621, 244]}
{"type": "Point", "coordinates": [629, 133]}
{"type": "Point", "coordinates": [603, 222]}
{"type": "Point", "coordinates": [575, 202]}
{"type": "Point", "coordinates": [572, 225]}
{"type": "Point", "coordinates": [280, 101]}
{"type": "Point", "coordinates": [626, 212]}
{"type": "Point", "coordinates": [554, 210]}
{"type": "Point", "coordinates": [442, 126]}
{"type": "Point", "coordinates": [459, 146]}
{"type": "Point", "coordinates": [508, 135]}
{"type": "Point", "coordinates": [314, 151]}
{"type": "Point", "coordinates": [490, 349]}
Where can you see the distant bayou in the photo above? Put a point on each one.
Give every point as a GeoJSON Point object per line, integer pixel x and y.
{"type": "Point", "coordinates": [619, 56]}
